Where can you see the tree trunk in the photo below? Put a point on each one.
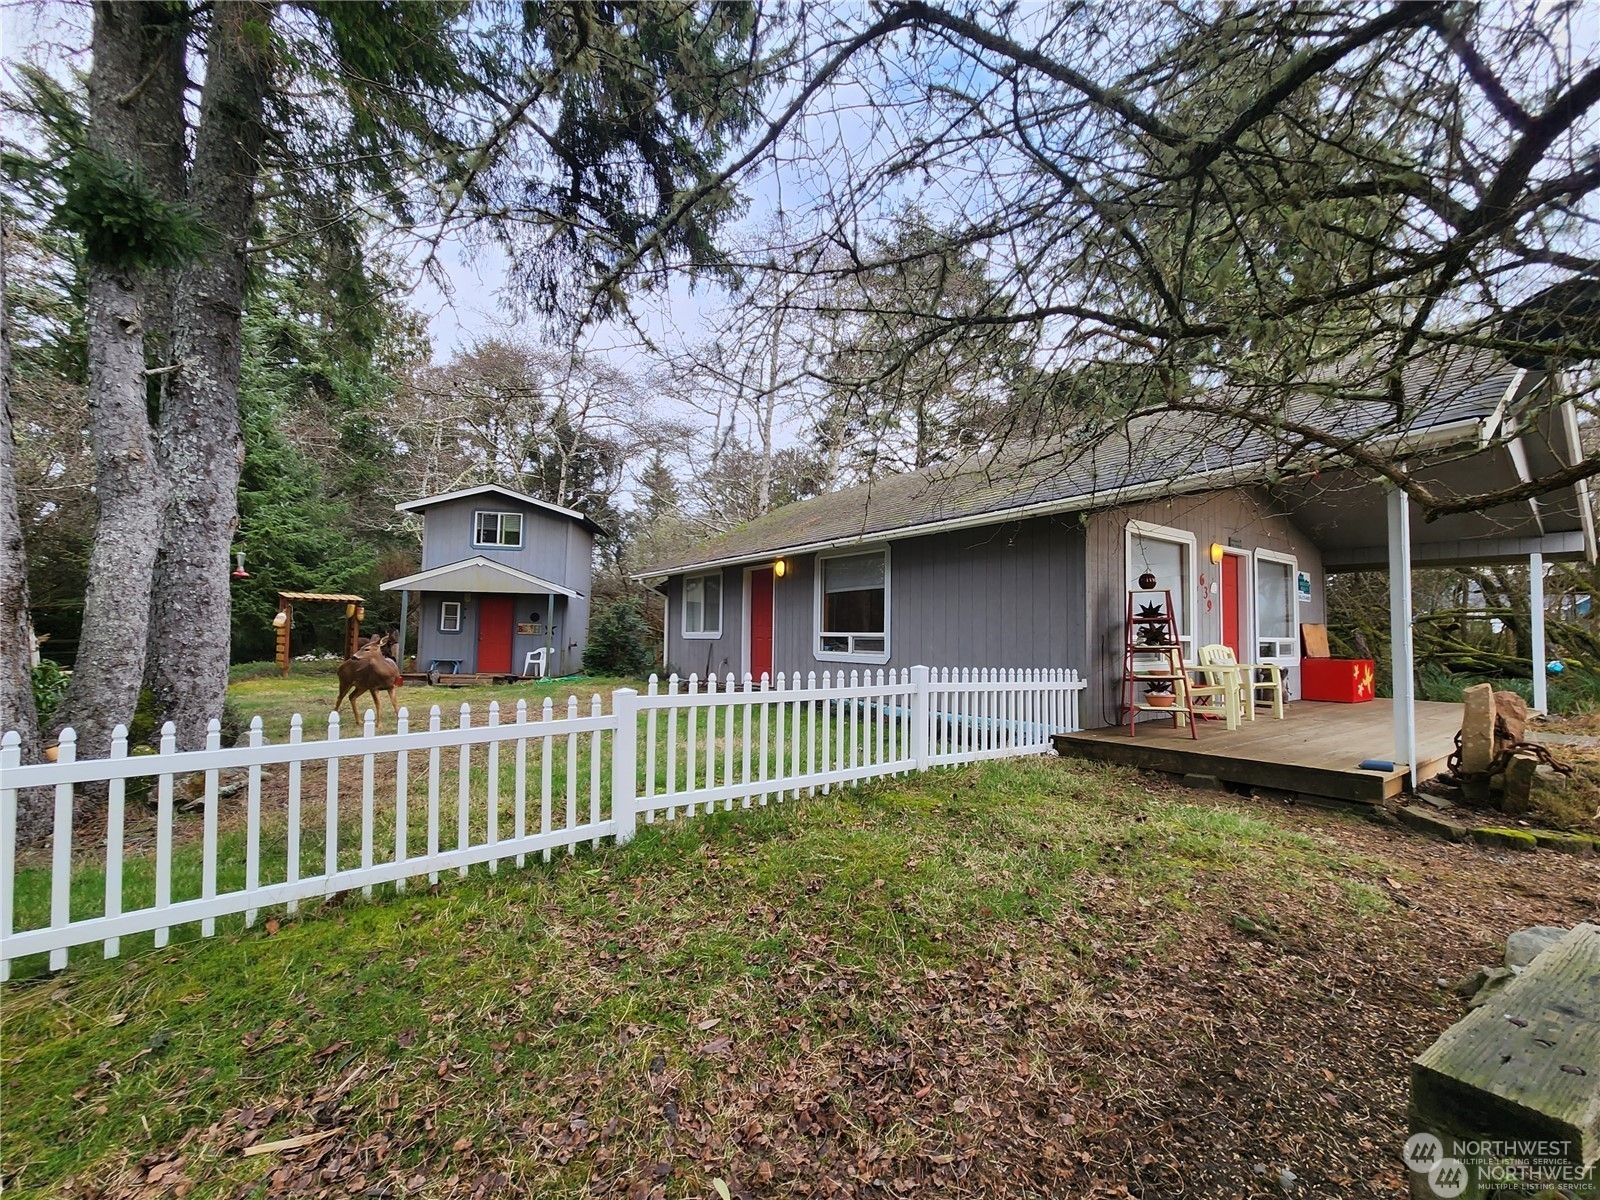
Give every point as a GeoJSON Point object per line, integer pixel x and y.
{"type": "Point", "coordinates": [163, 157]}
{"type": "Point", "coordinates": [17, 710]}
{"type": "Point", "coordinates": [199, 437]}
{"type": "Point", "coordinates": [130, 490]}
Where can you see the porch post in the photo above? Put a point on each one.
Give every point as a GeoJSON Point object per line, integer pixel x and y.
{"type": "Point", "coordinates": [550, 671]}
{"type": "Point", "coordinates": [1536, 629]}
{"type": "Point", "coordinates": [1400, 652]}
{"type": "Point", "coordinates": [405, 611]}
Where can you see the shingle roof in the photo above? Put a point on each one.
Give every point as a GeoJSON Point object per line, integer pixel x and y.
{"type": "Point", "coordinates": [1098, 467]}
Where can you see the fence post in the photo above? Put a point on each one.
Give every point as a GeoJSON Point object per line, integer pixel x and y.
{"type": "Point", "coordinates": [919, 717]}
{"type": "Point", "coordinates": [10, 758]}
{"type": "Point", "coordinates": [624, 764]}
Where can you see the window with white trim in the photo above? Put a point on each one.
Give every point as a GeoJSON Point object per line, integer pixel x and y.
{"type": "Point", "coordinates": [1276, 636]}
{"type": "Point", "coordinates": [450, 616]}
{"type": "Point", "coordinates": [1168, 554]}
{"type": "Point", "coordinates": [500, 529]}
{"type": "Point", "coordinates": [853, 606]}
{"type": "Point", "coordinates": [702, 606]}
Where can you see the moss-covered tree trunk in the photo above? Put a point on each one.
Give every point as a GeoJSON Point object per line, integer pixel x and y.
{"type": "Point", "coordinates": [199, 435]}
{"type": "Point", "coordinates": [17, 711]}
{"type": "Point", "coordinates": [130, 487]}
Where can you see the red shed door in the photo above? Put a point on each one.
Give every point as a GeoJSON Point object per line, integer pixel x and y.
{"type": "Point", "coordinates": [495, 618]}
{"type": "Point", "coordinates": [761, 623]}
{"type": "Point", "coordinates": [1232, 593]}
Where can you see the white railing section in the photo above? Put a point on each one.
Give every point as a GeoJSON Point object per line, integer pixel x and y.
{"type": "Point", "coordinates": [556, 775]}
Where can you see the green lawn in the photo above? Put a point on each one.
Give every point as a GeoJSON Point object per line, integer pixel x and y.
{"type": "Point", "coordinates": [1025, 970]}
{"type": "Point", "coordinates": [491, 789]}
{"type": "Point", "coordinates": [258, 690]}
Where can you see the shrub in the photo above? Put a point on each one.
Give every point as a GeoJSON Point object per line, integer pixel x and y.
{"type": "Point", "coordinates": [621, 641]}
{"type": "Point", "coordinates": [49, 685]}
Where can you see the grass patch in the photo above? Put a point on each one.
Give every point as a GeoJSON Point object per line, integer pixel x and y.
{"type": "Point", "coordinates": [531, 1029]}
{"type": "Point", "coordinates": [259, 690]}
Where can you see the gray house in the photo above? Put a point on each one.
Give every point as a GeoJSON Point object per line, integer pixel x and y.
{"type": "Point", "coordinates": [1024, 558]}
{"type": "Point", "coordinates": [504, 585]}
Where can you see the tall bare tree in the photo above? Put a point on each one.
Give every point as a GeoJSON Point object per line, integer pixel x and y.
{"type": "Point", "coordinates": [1221, 206]}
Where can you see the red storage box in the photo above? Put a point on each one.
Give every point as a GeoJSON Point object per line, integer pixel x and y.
{"type": "Point", "coordinates": [1345, 680]}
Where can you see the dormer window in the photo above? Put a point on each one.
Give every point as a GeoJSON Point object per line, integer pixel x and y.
{"type": "Point", "coordinates": [499, 529]}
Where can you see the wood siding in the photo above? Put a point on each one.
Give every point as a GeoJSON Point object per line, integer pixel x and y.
{"type": "Point", "coordinates": [1045, 592]}
{"type": "Point", "coordinates": [434, 644]}
{"type": "Point", "coordinates": [553, 547]}
{"type": "Point", "coordinates": [1009, 595]}
{"type": "Point", "coordinates": [1246, 515]}
{"type": "Point", "coordinates": [447, 537]}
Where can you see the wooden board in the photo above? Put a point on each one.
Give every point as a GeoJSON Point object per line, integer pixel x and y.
{"type": "Point", "coordinates": [1315, 640]}
{"type": "Point", "coordinates": [1524, 1066]}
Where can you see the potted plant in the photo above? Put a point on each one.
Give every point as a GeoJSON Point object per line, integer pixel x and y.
{"type": "Point", "coordinates": [1158, 693]}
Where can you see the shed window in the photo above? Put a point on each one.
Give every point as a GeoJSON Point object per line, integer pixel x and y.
{"type": "Point", "coordinates": [853, 605]}
{"type": "Point", "coordinates": [702, 606]}
{"type": "Point", "coordinates": [502, 529]}
{"type": "Point", "coordinates": [450, 616]}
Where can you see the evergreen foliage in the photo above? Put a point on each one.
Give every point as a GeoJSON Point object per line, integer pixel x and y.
{"type": "Point", "coordinates": [621, 641]}
{"type": "Point", "coordinates": [105, 204]}
{"type": "Point", "coordinates": [123, 223]}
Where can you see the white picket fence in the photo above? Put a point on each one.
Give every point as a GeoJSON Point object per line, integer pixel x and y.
{"type": "Point", "coordinates": [555, 780]}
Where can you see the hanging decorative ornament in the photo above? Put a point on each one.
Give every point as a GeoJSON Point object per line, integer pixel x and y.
{"type": "Point", "coordinates": [1147, 580]}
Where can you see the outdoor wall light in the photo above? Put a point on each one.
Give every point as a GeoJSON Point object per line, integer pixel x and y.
{"type": "Point", "coordinates": [779, 569]}
{"type": "Point", "coordinates": [1217, 551]}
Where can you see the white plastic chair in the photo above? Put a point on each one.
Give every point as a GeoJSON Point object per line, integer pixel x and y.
{"type": "Point", "coordinates": [533, 664]}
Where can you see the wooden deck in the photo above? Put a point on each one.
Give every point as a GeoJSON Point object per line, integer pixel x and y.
{"type": "Point", "coordinates": [1313, 751]}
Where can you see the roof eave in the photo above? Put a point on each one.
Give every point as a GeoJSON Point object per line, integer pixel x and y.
{"type": "Point", "coordinates": [419, 580]}
{"type": "Point", "coordinates": [423, 503]}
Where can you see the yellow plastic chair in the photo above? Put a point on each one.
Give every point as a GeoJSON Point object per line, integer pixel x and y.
{"type": "Point", "coordinates": [1200, 696]}
{"type": "Point", "coordinates": [1245, 677]}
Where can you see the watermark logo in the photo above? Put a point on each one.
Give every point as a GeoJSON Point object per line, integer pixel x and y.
{"type": "Point", "coordinates": [1510, 1166]}
{"type": "Point", "coordinates": [1423, 1152]}
{"type": "Point", "coordinates": [1448, 1178]}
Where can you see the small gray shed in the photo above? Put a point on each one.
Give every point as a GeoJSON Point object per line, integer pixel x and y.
{"type": "Point", "coordinates": [504, 586]}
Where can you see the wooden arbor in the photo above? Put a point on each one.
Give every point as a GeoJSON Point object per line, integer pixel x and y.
{"type": "Point", "coordinates": [284, 621]}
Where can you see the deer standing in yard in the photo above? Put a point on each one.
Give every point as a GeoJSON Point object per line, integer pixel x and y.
{"type": "Point", "coordinates": [369, 670]}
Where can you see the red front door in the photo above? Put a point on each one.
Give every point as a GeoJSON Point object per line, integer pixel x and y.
{"type": "Point", "coordinates": [495, 626]}
{"type": "Point", "coordinates": [761, 622]}
{"type": "Point", "coordinates": [1231, 592]}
